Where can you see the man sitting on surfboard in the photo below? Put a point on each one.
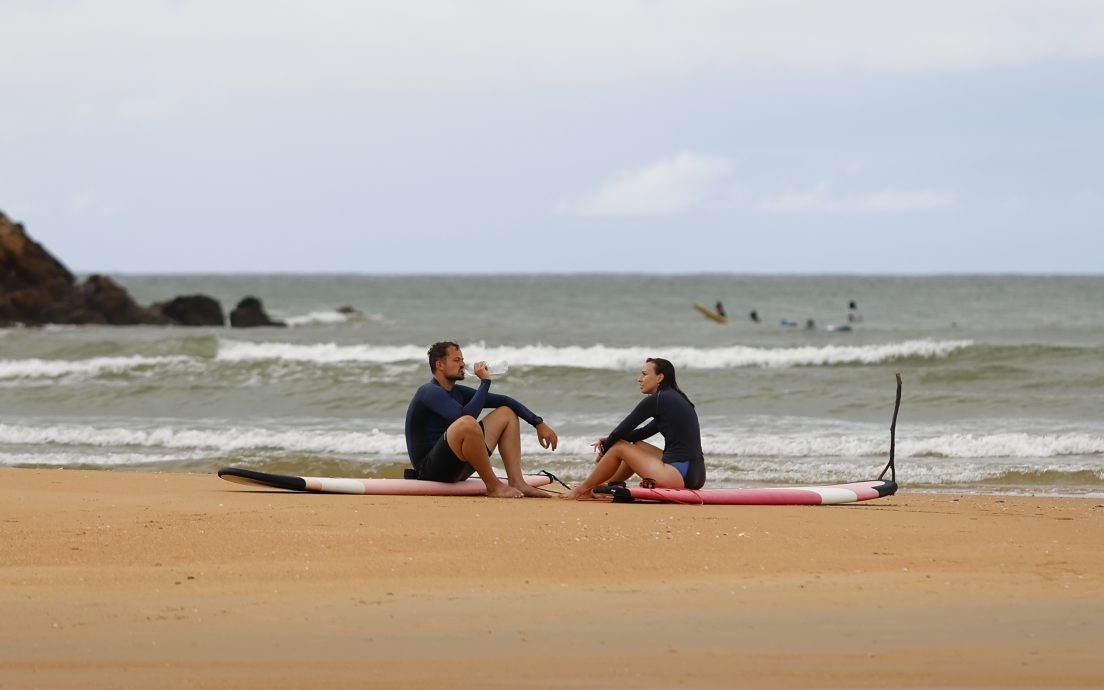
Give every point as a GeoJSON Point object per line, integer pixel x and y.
{"type": "Point", "coordinates": [446, 443]}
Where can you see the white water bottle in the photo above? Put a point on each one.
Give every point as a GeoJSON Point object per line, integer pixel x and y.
{"type": "Point", "coordinates": [495, 367]}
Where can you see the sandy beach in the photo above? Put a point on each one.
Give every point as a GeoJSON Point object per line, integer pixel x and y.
{"type": "Point", "coordinates": [141, 580]}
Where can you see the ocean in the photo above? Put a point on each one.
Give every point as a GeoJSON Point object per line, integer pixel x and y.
{"type": "Point", "coordinates": [1003, 375]}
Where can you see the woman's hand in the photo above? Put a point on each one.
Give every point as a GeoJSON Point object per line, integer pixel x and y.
{"type": "Point", "coordinates": [600, 446]}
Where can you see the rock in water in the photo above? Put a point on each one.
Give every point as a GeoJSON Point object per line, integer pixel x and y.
{"type": "Point", "coordinates": [250, 313]}
{"type": "Point", "coordinates": [193, 310]}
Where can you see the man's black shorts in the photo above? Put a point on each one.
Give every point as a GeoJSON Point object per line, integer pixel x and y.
{"type": "Point", "coordinates": [440, 464]}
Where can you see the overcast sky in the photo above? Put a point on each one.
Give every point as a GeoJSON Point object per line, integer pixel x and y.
{"type": "Point", "coordinates": [765, 136]}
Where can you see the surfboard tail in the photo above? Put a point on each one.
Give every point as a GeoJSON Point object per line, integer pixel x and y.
{"type": "Point", "coordinates": [276, 481]}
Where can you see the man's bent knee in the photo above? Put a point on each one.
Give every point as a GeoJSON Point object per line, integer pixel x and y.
{"type": "Point", "coordinates": [505, 413]}
{"type": "Point", "coordinates": [466, 425]}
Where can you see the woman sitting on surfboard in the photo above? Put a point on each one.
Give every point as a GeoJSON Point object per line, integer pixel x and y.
{"type": "Point", "coordinates": [679, 464]}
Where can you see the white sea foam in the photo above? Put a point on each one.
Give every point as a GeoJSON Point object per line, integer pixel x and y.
{"type": "Point", "coordinates": [321, 353]}
{"type": "Point", "coordinates": [741, 448]}
{"type": "Point", "coordinates": [56, 368]}
{"type": "Point", "coordinates": [315, 318]}
{"type": "Point", "coordinates": [601, 356]}
{"type": "Point", "coordinates": [321, 441]}
{"type": "Point", "coordinates": [830, 448]}
{"type": "Point", "coordinates": [1010, 445]}
{"type": "Point", "coordinates": [106, 460]}
{"type": "Point", "coordinates": [1001, 445]}
{"type": "Point", "coordinates": [750, 461]}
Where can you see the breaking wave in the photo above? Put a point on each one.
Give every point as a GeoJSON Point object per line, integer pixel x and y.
{"type": "Point", "coordinates": [57, 368]}
{"type": "Point", "coordinates": [601, 356]}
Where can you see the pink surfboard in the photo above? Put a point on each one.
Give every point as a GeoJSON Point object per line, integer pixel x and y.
{"type": "Point", "coordinates": [793, 496]}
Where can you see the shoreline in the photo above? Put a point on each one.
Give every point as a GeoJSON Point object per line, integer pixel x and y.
{"type": "Point", "coordinates": [394, 470]}
{"type": "Point", "coordinates": [141, 579]}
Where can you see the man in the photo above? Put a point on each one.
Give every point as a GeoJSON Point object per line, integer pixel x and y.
{"type": "Point", "coordinates": [447, 444]}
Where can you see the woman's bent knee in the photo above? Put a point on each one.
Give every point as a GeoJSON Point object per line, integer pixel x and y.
{"type": "Point", "coordinates": [619, 446]}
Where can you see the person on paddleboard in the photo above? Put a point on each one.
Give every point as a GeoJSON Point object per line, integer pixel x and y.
{"type": "Point", "coordinates": [445, 441]}
{"type": "Point", "coordinates": [679, 464]}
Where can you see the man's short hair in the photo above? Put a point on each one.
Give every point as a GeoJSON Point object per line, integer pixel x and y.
{"type": "Point", "coordinates": [437, 352]}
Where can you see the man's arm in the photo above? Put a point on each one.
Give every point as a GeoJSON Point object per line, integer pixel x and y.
{"type": "Point", "coordinates": [546, 436]}
{"type": "Point", "coordinates": [442, 404]}
{"type": "Point", "coordinates": [523, 412]}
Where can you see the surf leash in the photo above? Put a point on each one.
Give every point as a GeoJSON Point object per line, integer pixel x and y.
{"type": "Point", "coordinates": [890, 467]}
{"type": "Point", "coordinates": [552, 478]}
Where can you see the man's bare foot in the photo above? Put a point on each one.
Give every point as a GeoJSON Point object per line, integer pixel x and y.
{"type": "Point", "coordinates": [530, 491]}
{"type": "Point", "coordinates": [504, 491]}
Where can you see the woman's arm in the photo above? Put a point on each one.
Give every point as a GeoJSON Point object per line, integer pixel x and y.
{"type": "Point", "coordinates": [627, 430]}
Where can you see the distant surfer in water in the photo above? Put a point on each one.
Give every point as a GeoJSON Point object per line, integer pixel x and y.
{"type": "Point", "coordinates": [719, 308]}
{"type": "Point", "coordinates": [679, 464]}
{"type": "Point", "coordinates": [446, 443]}
{"type": "Point", "coordinates": [853, 315]}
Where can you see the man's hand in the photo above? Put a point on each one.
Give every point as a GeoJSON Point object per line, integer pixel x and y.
{"type": "Point", "coordinates": [480, 371]}
{"type": "Point", "coordinates": [546, 436]}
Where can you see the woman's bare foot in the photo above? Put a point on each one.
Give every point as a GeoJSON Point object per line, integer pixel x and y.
{"type": "Point", "coordinates": [577, 493]}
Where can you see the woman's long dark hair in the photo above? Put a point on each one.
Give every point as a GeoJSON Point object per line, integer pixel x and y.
{"type": "Point", "coordinates": [663, 366]}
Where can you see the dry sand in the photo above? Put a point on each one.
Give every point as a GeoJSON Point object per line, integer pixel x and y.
{"type": "Point", "coordinates": [117, 580]}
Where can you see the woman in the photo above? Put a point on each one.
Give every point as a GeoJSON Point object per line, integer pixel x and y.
{"type": "Point", "coordinates": [680, 464]}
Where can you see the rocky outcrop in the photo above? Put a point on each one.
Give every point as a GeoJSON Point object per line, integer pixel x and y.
{"type": "Point", "coordinates": [31, 281]}
{"type": "Point", "coordinates": [193, 310]}
{"type": "Point", "coordinates": [250, 313]}
{"type": "Point", "coordinates": [35, 288]}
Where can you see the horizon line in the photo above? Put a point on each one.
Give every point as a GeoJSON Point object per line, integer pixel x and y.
{"type": "Point", "coordinates": [558, 274]}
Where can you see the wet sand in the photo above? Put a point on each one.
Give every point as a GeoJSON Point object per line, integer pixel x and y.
{"type": "Point", "coordinates": [116, 580]}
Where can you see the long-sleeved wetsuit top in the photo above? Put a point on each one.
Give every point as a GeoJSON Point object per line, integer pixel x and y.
{"type": "Point", "coordinates": [672, 416]}
{"type": "Point", "coordinates": [433, 409]}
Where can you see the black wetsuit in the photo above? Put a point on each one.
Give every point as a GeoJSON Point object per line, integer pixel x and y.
{"type": "Point", "coordinates": [429, 415]}
{"type": "Point", "coordinates": [674, 417]}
